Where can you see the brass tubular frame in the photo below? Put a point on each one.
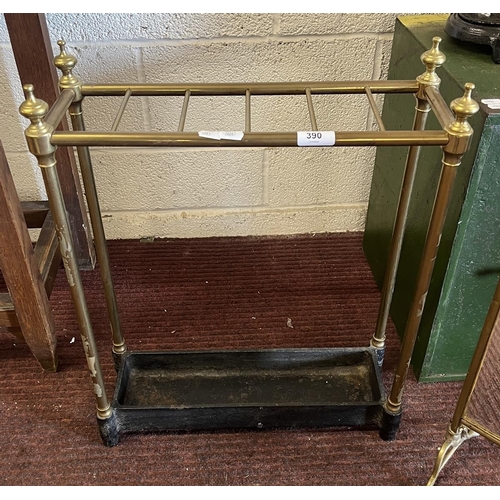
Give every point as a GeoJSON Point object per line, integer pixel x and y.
{"type": "Point", "coordinates": [42, 140]}
{"type": "Point", "coordinates": [252, 139]}
{"type": "Point", "coordinates": [77, 121]}
{"type": "Point", "coordinates": [421, 112]}
{"type": "Point", "coordinates": [310, 107]}
{"type": "Point", "coordinates": [227, 89]}
{"type": "Point", "coordinates": [185, 104]}
{"type": "Point", "coordinates": [439, 106]}
{"type": "Point", "coordinates": [121, 110]}
{"type": "Point", "coordinates": [375, 110]}
{"type": "Point", "coordinates": [59, 109]}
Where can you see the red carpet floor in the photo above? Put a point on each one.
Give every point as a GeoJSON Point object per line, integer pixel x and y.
{"type": "Point", "coordinates": [226, 293]}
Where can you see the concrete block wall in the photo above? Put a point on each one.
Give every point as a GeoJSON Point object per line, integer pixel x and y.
{"type": "Point", "coordinates": [185, 192]}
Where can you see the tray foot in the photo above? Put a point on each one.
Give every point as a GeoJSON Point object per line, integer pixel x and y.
{"type": "Point", "coordinates": [389, 425]}
{"type": "Point", "coordinates": [109, 429]}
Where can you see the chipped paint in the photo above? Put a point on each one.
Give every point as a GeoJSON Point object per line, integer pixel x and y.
{"type": "Point", "coordinates": [98, 390]}
{"type": "Point", "coordinates": [66, 249]}
{"type": "Point", "coordinates": [421, 305]}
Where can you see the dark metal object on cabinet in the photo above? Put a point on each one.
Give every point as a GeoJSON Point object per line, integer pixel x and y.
{"type": "Point", "coordinates": [482, 29]}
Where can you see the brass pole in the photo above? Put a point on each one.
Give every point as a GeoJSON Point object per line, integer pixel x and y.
{"type": "Point", "coordinates": [255, 88]}
{"type": "Point", "coordinates": [182, 119]}
{"type": "Point", "coordinates": [252, 139]}
{"type": "Point", "coordinates": [86, 169]}
{"type": "Point", "coordinates": [121, 110]}
{"type": "Point", "coordinates": [65, 63]}
{"type": "Point", "coordinates": [378, 340]}
{"type": "Point", "coordinates": [443, 196]}
{"type": "Point", "coordinates": [59, 108]}
{"type": "Point", "coordinates": [248, 113]}
{"type": "Point", "coordinates": [460, 133]}
{"type": "Point", "coordinates": [376, 113]}
{"type": "Point", "coordinates": [431, 59]}
{"type": "Point", "coordinates": [310, 107]}
{"type": "Point", "coordinates": [439, 106]}
{"type": "Point", "coordinates": [38, 139]}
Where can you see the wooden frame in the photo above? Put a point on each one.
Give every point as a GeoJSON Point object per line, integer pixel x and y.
{"type": "Point", "coordinates": [29, 273]}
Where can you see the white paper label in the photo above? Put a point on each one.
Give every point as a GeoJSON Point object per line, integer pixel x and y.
{"type": "Point", "coordinates": [316, 138]}
{"type": "Point", "coordinates": [209, 135]}
{"type": "Point", "coordinates": [228, 135]}
{"type": "Point", "coordinates": [492, 103]}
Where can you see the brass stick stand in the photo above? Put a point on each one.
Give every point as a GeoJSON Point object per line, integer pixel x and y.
{"type": "Point", "coordinates": [134, 412]}
{"type": "Point", "coordinates": [467, 420]}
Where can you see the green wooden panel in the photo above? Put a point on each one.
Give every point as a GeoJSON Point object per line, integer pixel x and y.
{"type": "Point", "coordinates": [441, 352]}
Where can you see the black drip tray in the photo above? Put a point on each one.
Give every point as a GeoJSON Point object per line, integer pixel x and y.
{"type": "Point", "coordinates": [240, 389]}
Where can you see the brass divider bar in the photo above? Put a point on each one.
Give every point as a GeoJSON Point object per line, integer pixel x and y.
{"type": "Point", "coordinates": [123, 105]}
{"type": "Point", "coordinates": [185, 103]}
{"type": "Point", "coordinates": [272, 88]}
{"type": "Point", "coordinates": [310, 107]}
{"type": "Point", "coordinates": [248, 119]}
{"type": "Point", "coordinates": [374, 107]}
{"type": "Point", "coordinates": [252, 139]}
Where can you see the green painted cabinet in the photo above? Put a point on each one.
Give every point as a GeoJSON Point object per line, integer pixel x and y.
{"type": "Point", "coordinates": [468, 264]}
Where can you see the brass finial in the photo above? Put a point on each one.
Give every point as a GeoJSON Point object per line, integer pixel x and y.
{"type": "Point", "coordinates": [32, 108]}
{"type": "Point", "coordinates": [463, 108]}
{"type": "Point", "coordinates": [39, 131]}
{"type": "Point", "coordinates": [65, 63]}
{"type": "Point", "coordinates": [432, 59]}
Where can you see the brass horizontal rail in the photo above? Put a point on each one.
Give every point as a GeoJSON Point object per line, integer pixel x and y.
{"type": "Point", "coordinates": [252, 139]}
{"type": "Point", "coordinates": [273, 88]}
{"type": "Point", "coordinates": [439, 107]}
{"type": "Point", "coordinates": [59, 108]}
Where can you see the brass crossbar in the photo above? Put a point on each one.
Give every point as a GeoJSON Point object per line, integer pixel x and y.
{"type": "Point", "coordinates": [252, 139]}
{"type": "Point", "coordinates": [278, 88]}
{"type": "Point", "coordinates": [439, 107]}
{"type": "Point", "coordinates": [57, 112]}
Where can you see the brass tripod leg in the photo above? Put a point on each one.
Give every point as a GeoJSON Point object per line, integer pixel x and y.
{"type": "Point", "coordinates": [451, 443]}
{"type": "Point", "coordinates": [378, 340]}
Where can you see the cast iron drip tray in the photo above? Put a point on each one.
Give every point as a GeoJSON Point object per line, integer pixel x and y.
{"type": "Point", "coordinates": [194, 390]}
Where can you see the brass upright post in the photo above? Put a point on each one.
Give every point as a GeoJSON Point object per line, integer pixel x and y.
{"type": "Point", "coordinates": [38, 136]}
{"type": "Point", "coordinates": [65, 63]}
{"type": "Point", "coordinates": [460, 133]}
{"type": "Point", "coordinates": [432, 59]}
